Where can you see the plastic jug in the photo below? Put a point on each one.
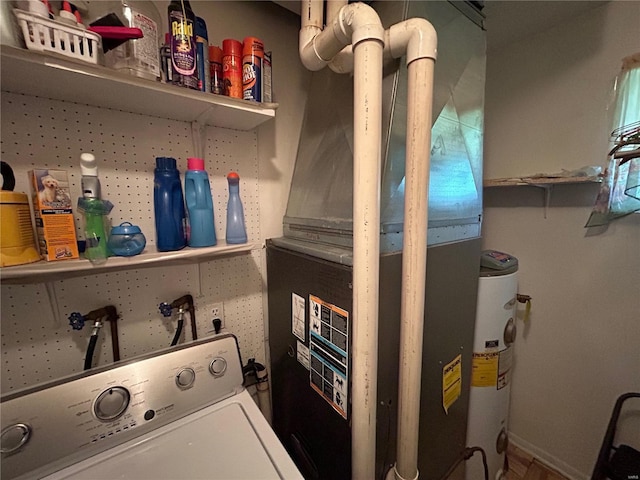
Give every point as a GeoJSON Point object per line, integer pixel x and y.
{"type": "Point", "coordinates": [197, 193]}
{"type": "Point", "coordinates": [236, 231]}
{"type": "Point", "coordinates": [168, 206]}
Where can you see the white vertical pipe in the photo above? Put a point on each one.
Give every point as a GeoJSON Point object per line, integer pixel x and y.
{"type": "Point", "coordinates": [311, 14]}
{"type": "Point", "coordinates": [414, 261]}
{"type": "Point", "coordinates": [417, 38]}
{"type": "Point", "coordinates": [311, 21]}
{"type": "Point", "coordinates": [366, 254]}
{"type": "Point", "coordinates": [333, 7]}
{"type": "Point", "coordinates": [359, 24]}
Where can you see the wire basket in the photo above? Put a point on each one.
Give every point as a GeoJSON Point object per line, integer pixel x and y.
{"type": "Point", "coordinates": [46, 35]}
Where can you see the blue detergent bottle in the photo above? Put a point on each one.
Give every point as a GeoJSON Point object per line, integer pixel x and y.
{"type": "Point", "coordinates": [197, 192]}
{"type": "Point", "coordinates": [236, 231]}
{"type": "Point", "coordinates": [168, 206]}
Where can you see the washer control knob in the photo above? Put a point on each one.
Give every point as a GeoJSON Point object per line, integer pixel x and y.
{"type": "Point", "coordinates": [111, 404]}
{"type": "Point", "coordinates": [14, 437]}
{"type": "Point", "coordinates": [185, 378]}
{"type": "Point", "coordinates": [218, 366]}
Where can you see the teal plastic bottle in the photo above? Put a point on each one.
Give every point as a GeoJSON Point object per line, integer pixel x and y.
{"type": "Point", "coordinates": [236, 231]}
{"type": "Point", "coordinates": [197, 192]}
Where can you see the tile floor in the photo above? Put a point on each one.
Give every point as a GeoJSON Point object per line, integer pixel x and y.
{"type": "Point", "coordinates": [523, 466]}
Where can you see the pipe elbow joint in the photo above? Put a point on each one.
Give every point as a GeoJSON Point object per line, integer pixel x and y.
{"type": "Point", "coordinates": [416, 37]}
{"type": "Point", "coordinates": [112, 313]}
{"type": "Point", "coordinates": [359, 22]}
{"type": "Point", "coordinates": [353, 24]}
{"type": "Point", "coordinates": [343, 61]}
{"type": "Point", "coordinates": [309, 56]}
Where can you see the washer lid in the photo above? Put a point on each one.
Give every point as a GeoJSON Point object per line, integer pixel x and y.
{"type": "Point", "coordinates": [224, 441]}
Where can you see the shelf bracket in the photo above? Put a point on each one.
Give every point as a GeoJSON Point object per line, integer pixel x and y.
{"type": "Point", "coordinates": [547, 189]}
{"type": "Point", "coordinates": [53, 302]}
{"type": "Point", "coordinates": [198, 138]}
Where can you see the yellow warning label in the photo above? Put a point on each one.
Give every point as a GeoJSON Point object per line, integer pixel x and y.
{"type": "Point", "coordinates": [451, 382]}
{"type": "Point", "coordinates": [484, 369]}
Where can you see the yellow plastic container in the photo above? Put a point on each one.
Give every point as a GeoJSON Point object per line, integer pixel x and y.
{"type": "Point", "coordinates": [17, 243]}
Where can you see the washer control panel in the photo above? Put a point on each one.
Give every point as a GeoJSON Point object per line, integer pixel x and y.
{"type": "Point", "coordinates": [51, 426]}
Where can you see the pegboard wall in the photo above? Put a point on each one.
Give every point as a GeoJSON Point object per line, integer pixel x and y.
{"type": "Point", "coordinates": [43, 133]}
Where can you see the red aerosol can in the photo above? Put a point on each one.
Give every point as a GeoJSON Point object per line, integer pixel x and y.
{"type": "Point", "coordinates": [252, 58]}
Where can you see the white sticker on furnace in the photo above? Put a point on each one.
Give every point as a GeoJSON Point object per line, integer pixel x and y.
{"type": "Point", "coordinates": [302, 353]}
{"type": "Point", "coordinates": [314, 315]}
{"type": "Point", "coordinates": [298, 318]}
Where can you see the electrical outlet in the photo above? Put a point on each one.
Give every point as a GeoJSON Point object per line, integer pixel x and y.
{"type": "Point", "coordinates": [217, 311]}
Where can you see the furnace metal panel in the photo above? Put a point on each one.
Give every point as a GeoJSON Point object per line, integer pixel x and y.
{"type": "Point", "coordinates": [321, 196]}
{"type": "Point", "coordinates": [317, 436]}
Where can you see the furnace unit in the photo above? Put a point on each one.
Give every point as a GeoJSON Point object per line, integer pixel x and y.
{"type": "Point", "coordinates": [310, 268]}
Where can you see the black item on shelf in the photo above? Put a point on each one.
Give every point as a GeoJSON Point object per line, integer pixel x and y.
{"type": "Point", "coordinates": [8, 179]}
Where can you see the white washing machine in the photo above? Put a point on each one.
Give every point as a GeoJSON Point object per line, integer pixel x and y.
{"type": "Point", "coordinates": [179, 413]}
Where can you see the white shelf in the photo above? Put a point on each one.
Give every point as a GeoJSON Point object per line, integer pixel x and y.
{"type": "Point", "coordinates": [43, 271]}
{"type": "Point", "coordinates": [58, 78]}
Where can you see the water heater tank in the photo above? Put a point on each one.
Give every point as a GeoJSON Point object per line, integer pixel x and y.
{"type": "Point", "coordinates": [492, 360]}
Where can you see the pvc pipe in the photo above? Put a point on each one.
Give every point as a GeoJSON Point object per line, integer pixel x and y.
{"type": "Point", "coordinates": [416, 37]}
{"type": "Point", "coordinates": [333, 7]}
{"type": "Point", "coordinates": [311, 17]}
{"type": "Point", "coordinates": [414, 261]}
{"type": "Point", "coordinates": [366, 253]}
{"type": "Point", "coordinates": [420, 41]}
{"type": "Point", "coordinates": [343, 61]}
{"type": "Point", "coordinates": [359, 25]}
{"type": "Point", "coordinates": [354, 23]}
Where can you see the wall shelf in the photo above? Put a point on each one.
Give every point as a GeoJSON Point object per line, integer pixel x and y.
{"type": "Point", "coordinates": [540, 182]}
{"type": "Point", "coordinates": [43, 271]}
{"type": "Point", "coordinates": [58, 78]}
{"type": "Point", "coordinates": [49, 76]}
{"type": "Point", "coordinates": [544, 183]}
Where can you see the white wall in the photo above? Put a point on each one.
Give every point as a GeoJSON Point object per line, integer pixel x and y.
{"type": "Point", "coordinates": [546, 110]}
